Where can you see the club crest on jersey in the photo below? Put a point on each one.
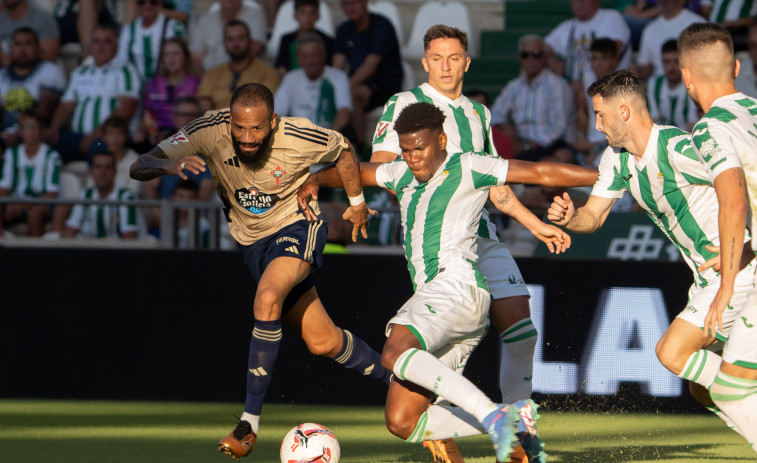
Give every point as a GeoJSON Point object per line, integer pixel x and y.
{"type": "Point", "coordinates": [177, 138]}
{"type": "Point", "coordinates": [443, 176]}
{"type": "Point", "coordinates": [381, 130]}
{"type": "Point", "coordinates": [660, 179]}
{"type": "Point", "coordinates": [277, 173]}
{"type": "Point", "coordinates": [255, 200]}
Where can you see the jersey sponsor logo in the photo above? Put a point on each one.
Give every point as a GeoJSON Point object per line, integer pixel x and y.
{"type": "Point", "coordinates": [277, 173]}
{"type": "Point", "coordinates": [177, 138]}
{"type": "Point", "coordinates": [430, 309]}
{"type": "Point", "coordinates": [746, 322]}
{"type": "Point", "coordinates": [255, 200]}
{"type": "Point", "coordinates": [513, 280]}
{"type": "Point", "coordinates": [293, 250]}
{"type": "Point", "coordinates": [233, 162]}
{"type": "Point", "coordinates": [288, 239]}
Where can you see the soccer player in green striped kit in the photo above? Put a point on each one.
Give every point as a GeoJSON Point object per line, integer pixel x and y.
{"type": "Point", "coordinates": [657, 165]}
{"type": "Point", "coordinates": [726, 141]}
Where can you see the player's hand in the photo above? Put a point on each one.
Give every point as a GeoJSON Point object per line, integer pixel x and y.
{"type": "Point", "coordinates": [191, 163]}
{"type": "Point", "coordinates": [557, 241]}
{"type": "Point", "coordinates": [713, 262]}
{"type": "Point", "coordinates": [561, 210]}
{"type": "Point", "coordinates": [714, 317]}
{"type": "Point", "coordinates": [307, 192]}
{"type": "Point", "coordinates": [358, 215]}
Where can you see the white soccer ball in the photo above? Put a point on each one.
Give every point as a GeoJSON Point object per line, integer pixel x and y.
{"type": "Point", "coordinates": [310, 443]}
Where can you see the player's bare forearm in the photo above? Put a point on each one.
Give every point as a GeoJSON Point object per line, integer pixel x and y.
{"type": "Point", "coordinates": [150, 165]}
{"type": "Point", "coordinates": [732, 216]}
{"type": "Point", "coordinates": [505, 201]}
{"type": "Point", "coordinates": [349, 172]}
{"type": "Point", "coordinates": [553, 174]}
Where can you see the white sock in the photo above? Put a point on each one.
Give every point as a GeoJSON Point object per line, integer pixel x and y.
{"type": "Point", "coordinates": [737, 398]}
{"type": "Point", "coordinates": [254, 420]}
{"type": "Point", "coordinates": [702, 367]}
{"type": "Point", "coordinates": [425, 370]}
{"type": "Point", "coordinates": [728, 422]}
{"type": "Point", "coordinates": [445, 422]}
{"type": "Point", "coordinates": [516, 364]}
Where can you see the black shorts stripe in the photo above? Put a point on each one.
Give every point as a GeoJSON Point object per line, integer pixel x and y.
{"type": "Point", "coordinates": [306, 131]}
{"type": "Point", "coordinates": [317, 142]}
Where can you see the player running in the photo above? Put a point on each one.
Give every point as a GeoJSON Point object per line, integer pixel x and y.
{"type": "Point", "coordinates": [726, 141]}
{"type": "Point", "coordinates": [258, 161]}
{"type": "Point", "coordinates": [658, 167]}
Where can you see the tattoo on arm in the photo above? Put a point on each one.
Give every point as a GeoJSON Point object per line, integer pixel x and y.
{"type": "Point", "coordinates": [502, 197]}
{"type": "Point", "coordinates": [149, 165]}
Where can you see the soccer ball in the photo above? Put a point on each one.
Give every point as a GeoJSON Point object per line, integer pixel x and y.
{"type": "Point", "coordinates": [310, 443]}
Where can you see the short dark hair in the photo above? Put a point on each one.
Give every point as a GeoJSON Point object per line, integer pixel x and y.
{"type": "Point", "coordinates": [701, 34]}
{"type": "Point", "coordinates": [605, 46]}
{"type": "Point", "coordinates": [26, 30]}
{"type": "Point", "coordinates": [32, 113]}
{"type": "Point", "coordinates": [619, 83]}
{"type": "Point", "coordinates": [419, 116]}
{"type": "Point", "coordinates": [474, 92]}
{"type": "Point", "coordinates": [107, 27]}
{"type": "Point", "coordinates": [102, 151]}
{"type": "Point", "coordinates": [236, 22]}
{"type": "Point", "coordinates": [301, 3]}
{"type": "Point", "coordinates": [253, 94]}
{"type": "Point", "coordinates": [670, 46]}
{"type": "Point", "coordinates": [187, 184]}
{"type": "Point", "coordinates": [116, 122]}
{"type": "Point", "coordinates": [441, 31]}
{"type": "Point", "coordinates": [311, 37]}
{"type": "Point", "coordinates": [188, 100]}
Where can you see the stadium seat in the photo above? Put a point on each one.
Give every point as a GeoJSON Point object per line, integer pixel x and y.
{"type": "Point", "coordinates": [451, 13]}
{"type": "Point", "coordinates": [285, 23]}
{"type": "Point", "coordinates": [389, 11]}
{"type": "Point", "coordinates": [408, 78]}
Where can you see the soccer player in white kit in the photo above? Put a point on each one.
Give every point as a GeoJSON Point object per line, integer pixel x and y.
{"type": "Point", "coordinates": [658, 167]}
{"type": "Point", "coordinates": [726, 141]}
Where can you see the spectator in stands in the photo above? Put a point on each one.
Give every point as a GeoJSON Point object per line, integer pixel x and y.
{"type": "Point", "coordinates": [732, 14]}
{"type": "Point", "coordinates": [104, 220]}
{"type": "Point", "coordinates": [207, 42]}
{"type": "Point", "coordinates": [172, 82]}
{"type": "Point", "coordinates": [571, 39]}
{"type": "Point", "coordinates": [366, 45]}
{"type": "Point", "coordinates": [20, 13]}
{"type": "Point", "coordinates": [187, 190]}
{"type": "Point", "coordinates": [29, 170]}
{"type": "Point", "coordinates": [533, 110]}
{"type": "Point", "coordinates": [638, 13]}
{"type": "Point", "coordinates": [674, 18]}
{"type": "Point", "coordinates": [115, 136]}
{"type": "Point", "coordinates": [306, 13]}
{"type": "Point", "coordinates": [746, 81]}
{"type": "Point", "coordinates": [77, 19]}
{"type": "Point", "coordinates": [589, 141]}
{"type": "Point", "coordinates": [669, 103]}
{"type": "Point", "coordinates": [29, 81]}
{"type": "Point", "coordinates": [316, 91]}
{"type": "Point", "coordinates": [219, 83]}
{"type": "Point", "coordinates": [180, 10]}
{"type": "Point", "coordinates": [502, 142]}
{"type": "Point", "coordinates": [141, 40]}
{"type": "Point", "coordinates": [95, 92]}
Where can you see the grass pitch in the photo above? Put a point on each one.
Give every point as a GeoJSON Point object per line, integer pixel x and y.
{"type": "Point", "coordinates": [145, 432]}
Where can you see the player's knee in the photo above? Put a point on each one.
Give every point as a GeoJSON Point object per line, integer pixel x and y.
{"type": "Point", "coordinates": [268, 304]}
{"type": "Point", "coordinates": [668, 358]}
{"type": "Point", "coordinates": [325, 346]}
{"type": "Point", "coordinates": [399, 423]}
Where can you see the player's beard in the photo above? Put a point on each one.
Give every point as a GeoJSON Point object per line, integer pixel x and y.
{"type": "Point", "coordinates": [251, 158]}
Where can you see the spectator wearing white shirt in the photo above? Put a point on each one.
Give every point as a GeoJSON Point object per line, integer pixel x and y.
{"type": "Point", "coordinates": [534, 108]}
{"type": "Point", "coordinates": [571, 39]}
{"type": "Point", "coordinates": [674, 18]}
{"type": "Point", "coordinates": [746, 81]}
{"type": "Point", "coordinates": [669, 103]}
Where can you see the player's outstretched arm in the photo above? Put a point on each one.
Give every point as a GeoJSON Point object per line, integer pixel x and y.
{"type": "Point", "coordinates": [586, 219]}
{"type": "Point", "coordinates": [330, 178]}
{"type": "Point", "coordinates": [156, 163]}
{"type": "Point", "coordinates": [503, 199]}
{"type": "Point", "coordinates": [554, 174]}
{"type": "Point", "coordinates": [349, 172]}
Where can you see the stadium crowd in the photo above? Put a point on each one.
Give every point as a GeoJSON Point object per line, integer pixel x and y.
{"type": "Point", "coordinates": [144, 69]}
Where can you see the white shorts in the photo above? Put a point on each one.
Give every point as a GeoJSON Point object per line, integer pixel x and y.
{"type": "Point", "coordinates": [447, 316]}
{"type": "Point", "coordinates": [701, 298]}
{"type": "Point", "coordinates": [741, 348]}
{"type": "Point", "coordinates": [498, 266]}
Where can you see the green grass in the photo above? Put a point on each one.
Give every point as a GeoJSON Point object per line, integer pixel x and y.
{"type": "Point", "coordinates": [115, 432]}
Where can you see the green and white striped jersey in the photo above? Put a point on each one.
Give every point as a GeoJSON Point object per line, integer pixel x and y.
{"type": "Point", "coordinates": [141, 45]}
{"type": "Point", "coordinates": [106, 220]}
{"type": "Point", "coordinates": [731, 10]}
{"type": "Point", "coordinates": [96, 92]}
{"type": "Point", "coordinates": [467, 125]}
{"type": "Point", "coordinates": [670, 106]}
{"type": "Point", "coordinates": [726, 137]}
{"type": "Point", "coordinates": [440, 217]}
{"type": "Point", "coordinates": [30, 178]}
{"type": "Point", "coordinates": [672, 186]}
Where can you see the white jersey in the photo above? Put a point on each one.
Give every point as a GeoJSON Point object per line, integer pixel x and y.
{"type": "Point", "coordinates": [730, 10]}
{"type": "Point", "coordinates": [726, 137]}
{"type": "Point", "coordinates": [30, 178]}
{"type": "Point", "coordinates": [103, 220]}
{"type": "Point", "coordinates": [467, 125]}
{"type": "Point", "coordinates": [141, 46]}
{"type": "Point", "coordinates": [96, 92]}
{"type": "Point", "coordinates": [317, 100]}
{"type": "Point", "coordinates": [672, 186]}
{"type": "Point", "coordinates": [670, 106]}
{"type": "Point", "coordinates": [440, 217]}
